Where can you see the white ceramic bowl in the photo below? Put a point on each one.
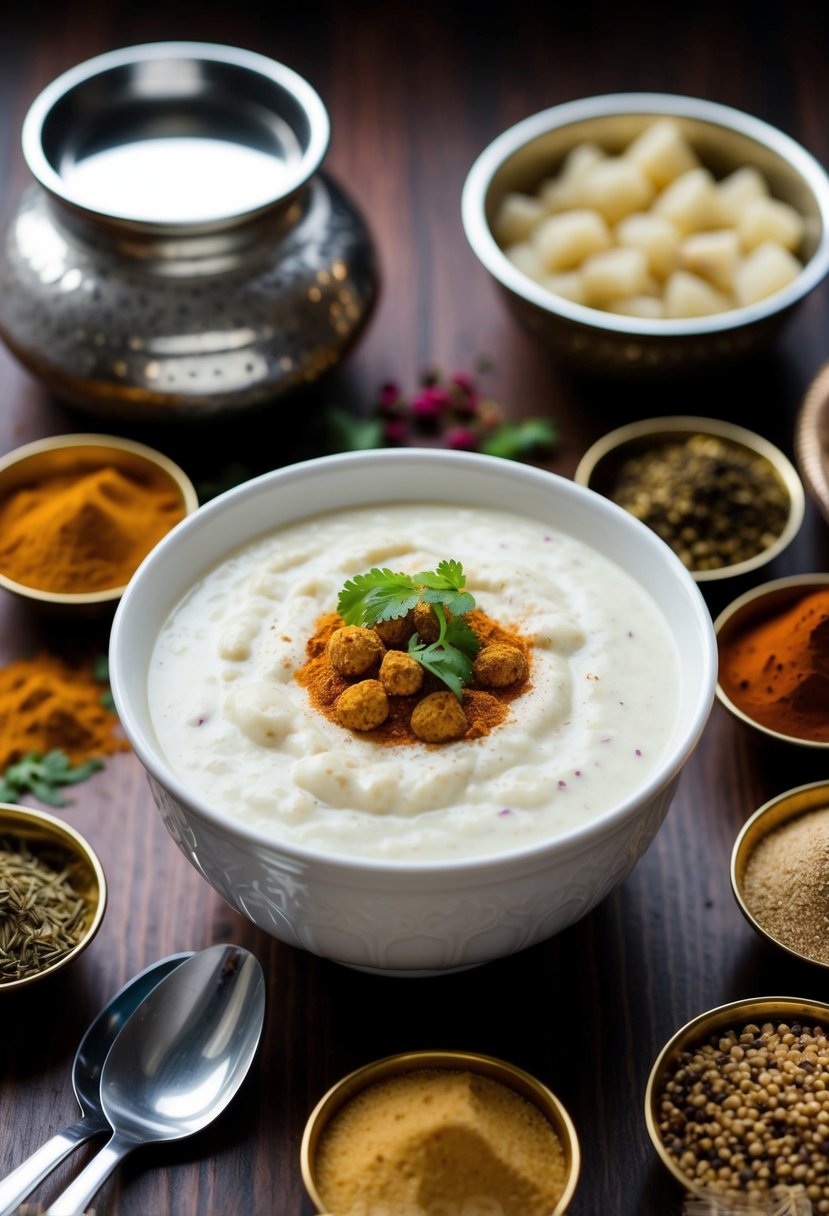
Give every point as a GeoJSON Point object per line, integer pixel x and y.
{"type": "Point", "coordinates": [409, 917]}
{"type": "Point", "coordinates": [725, 139]}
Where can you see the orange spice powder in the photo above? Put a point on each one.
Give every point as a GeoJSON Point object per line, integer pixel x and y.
{"type": "Point", "coordinates": [777, 670]}
{"type": "Point", "coordinates": [87, 529]}
{"type": "Point", "coordinates": [46, 703]}
{"type": "Point", "coordinates": [484, 708]}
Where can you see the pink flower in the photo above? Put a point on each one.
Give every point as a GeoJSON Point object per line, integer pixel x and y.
{"type": "Point", "coordinates": [430, 404]}
{"type": "Point", "coordinates": [394, 432]}
{"type": "Point", "coordinates": [461, 439]}
{"type": "Point", "coordinates": [389, 396]}
{"type": "Point", "coordinates": [464, 381]}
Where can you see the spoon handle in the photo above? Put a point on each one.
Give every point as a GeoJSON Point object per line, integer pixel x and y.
{"type": "Point", "coordinates": [75, 1199]}
{"type": "Point", "coordinates": [24, 1178]}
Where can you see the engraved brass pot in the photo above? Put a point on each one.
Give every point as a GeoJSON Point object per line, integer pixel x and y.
{"type": "Point", "coordinates": [150, 297]}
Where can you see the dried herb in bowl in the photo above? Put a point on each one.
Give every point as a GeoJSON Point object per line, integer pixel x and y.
{"type": "Point", "coordinates": [42, 916]}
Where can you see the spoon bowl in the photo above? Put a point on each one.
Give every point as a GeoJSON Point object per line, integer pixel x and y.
{"type": "Point", "coordinates": [86, 1082]}
{"type": "Point", "coordinates": [178, 1060]}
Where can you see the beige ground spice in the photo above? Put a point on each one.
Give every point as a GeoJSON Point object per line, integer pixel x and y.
{"type": "Point", "coordinates": [440, 1140]}
{"type": "Point", "coordinates": [786, 884]}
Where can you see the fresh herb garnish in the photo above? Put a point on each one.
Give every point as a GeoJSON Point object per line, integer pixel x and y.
{"type": "Point", "coordinates": [44, 776]}
{"type": "Point", "coordinates": [450, 656]}
{"type": "Point", "coordinates": [100, 672]}
{"type": "Point", "coordinates": [384, 595]}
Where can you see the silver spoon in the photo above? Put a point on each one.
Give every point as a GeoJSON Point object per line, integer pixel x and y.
{"type": "Point", "coordinates": [177, 1062]}
{"type": "Point", "coordinates": [86, 1078]}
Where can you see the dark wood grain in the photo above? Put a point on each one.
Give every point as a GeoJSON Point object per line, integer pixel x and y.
{"type": "Point", "coordinates": [415, 91]}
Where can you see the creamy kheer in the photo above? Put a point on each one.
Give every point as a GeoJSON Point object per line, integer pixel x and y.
{"type": "Point", "coordinates": [239, 731]}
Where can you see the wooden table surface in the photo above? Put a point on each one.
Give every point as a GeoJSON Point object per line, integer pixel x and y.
{"type": "Point", "coordinates": [415, 91]}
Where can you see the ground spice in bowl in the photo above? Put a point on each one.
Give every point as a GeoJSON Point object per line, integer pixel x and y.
{"type": "Point", "coordinates": [785, 884]}
{"type": "Point", "coordinates": [435, 1136]}
{"type": "Point", "coordinates": [774, 667]}
{"type": "Point", "coordinates": [78, 514]}
{"type": "Point", "coordinates": [86, 532]}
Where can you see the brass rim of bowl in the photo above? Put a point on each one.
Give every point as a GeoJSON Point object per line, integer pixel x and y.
{"type": "Point", "coordinates": [30, 825]}
{"type": "Point", "coordinates": [110, 443]}
{"type": "Point", "coordinates": [698, 1031]}
{"type": "Point", "coordinates": [772, 814]}
{"type": "Point", "coordinates": [636, 434]}
{"type": "Point", "coordinates": [757, 603]}
{"type": "Point", "coordinates": [510, 1075]}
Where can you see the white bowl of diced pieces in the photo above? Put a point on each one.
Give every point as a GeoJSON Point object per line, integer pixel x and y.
{"type": "Point", "coordinates": [647, 231]}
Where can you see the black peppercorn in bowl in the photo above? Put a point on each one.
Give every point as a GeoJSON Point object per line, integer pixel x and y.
{"type": "Point", "coordinates": [736, 1104]}
{"type": "Point", "coordinates": [724, 498]}
{"type": "Point", "coordinates": [53, 895]}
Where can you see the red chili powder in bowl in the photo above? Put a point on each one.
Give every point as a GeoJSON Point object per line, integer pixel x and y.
{"type": "Point", "coordinates": [776, 670]}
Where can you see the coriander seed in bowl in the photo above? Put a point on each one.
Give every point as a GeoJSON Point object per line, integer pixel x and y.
{"type": "Point", "coordinates": [736, 1103]}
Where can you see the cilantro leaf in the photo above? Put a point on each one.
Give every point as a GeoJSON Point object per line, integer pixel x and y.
{"type": "Point", "coordinates": [379, 595]}
{"type": "Point", "coordinates": [353, 434]}
{"type": "Point", "coordinates": [515, 440]}
{"type": "Point", "coordinates": [100, 672]}
{"type": "Point", "coordinates": [448, 664]}
{"type": "Point", "coordinates": [456, 602]}
{"type": "Point", "coordinates": [449, 575]}
{"type": "Point", "coordinates": [43, 776]}
{"type": "Point", "coordinates": [462, 636]}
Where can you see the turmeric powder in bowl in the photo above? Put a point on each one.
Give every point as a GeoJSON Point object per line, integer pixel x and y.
{"type": "Point", "coordinates": [448, 1137]}
{"type": "Point", "coordinates": [79, 513]}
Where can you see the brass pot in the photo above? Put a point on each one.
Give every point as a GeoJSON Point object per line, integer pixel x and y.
{"type": "Point", "coordinates": [180, 253]}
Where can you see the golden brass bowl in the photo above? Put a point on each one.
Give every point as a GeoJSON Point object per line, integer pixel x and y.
{"type": "Point", "coordinates": [40, 830]}
{"type": "Point", "coordinates": [66, 453]}
{"type": "Point", "coordinates": [600, 465]}
{"type": "Point", "coordinates": [751, 608]}
{"type": "Point", "coordinates": [697, 1032]}
{"type": "Point", "coordinates": [773, 814]}
{"type": "Point", "coordinates": [497, 1070]}
{"type": "Point", "coordinates": [724, 139]}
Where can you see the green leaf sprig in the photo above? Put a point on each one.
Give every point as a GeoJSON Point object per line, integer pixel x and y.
{"type": "Point", "coordinates": [43, 776]}
{"type": "Point", "coordinates": [384, 595]}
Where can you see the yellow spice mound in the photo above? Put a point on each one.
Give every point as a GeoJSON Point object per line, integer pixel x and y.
{"type": "Point", "coordinates": [440, 1137]}
{"type": "Point", "coordinates": [87, 530]}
